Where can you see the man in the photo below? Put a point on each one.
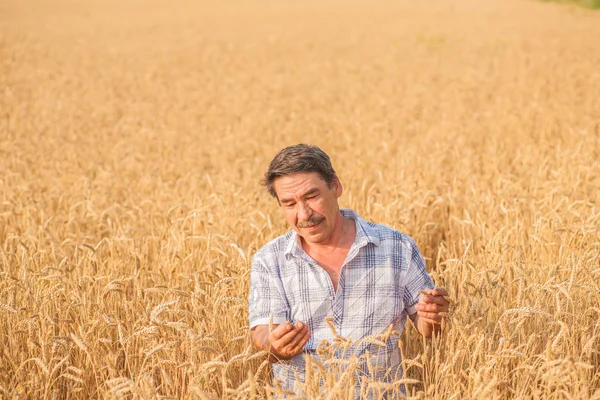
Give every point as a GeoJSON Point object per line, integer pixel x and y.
{"type": "Point", "coordinates": [333, 265]}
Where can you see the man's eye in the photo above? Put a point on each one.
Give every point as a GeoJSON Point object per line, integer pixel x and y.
{"type": "Point", "coordinates": [312, 197]}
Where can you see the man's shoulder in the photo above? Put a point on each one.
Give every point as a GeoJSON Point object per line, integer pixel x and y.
{"type": "Point", "coordinates": [389, 235]}
{"type": "Point", "coordinates": [275, 247]}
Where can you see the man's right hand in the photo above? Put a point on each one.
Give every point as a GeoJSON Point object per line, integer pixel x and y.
{"type": "Point", "coordinates": [284, 341]}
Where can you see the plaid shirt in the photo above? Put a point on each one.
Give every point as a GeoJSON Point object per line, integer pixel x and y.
{"type": "Point", "coordinates": [379, 286]}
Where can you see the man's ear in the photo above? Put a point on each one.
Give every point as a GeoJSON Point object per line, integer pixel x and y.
{"type": "Point", "coordinates": [337, 186]}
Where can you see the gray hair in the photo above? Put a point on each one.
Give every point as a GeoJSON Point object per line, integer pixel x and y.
{"type": "Point", "coordinates": [299, 158]}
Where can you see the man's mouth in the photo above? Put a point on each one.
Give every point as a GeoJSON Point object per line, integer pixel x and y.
{"type": "Point", "coordinates": [310, 224]}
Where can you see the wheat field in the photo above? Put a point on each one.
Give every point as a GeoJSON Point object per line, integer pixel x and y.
{"type": "Point", "coordinates": [133, 137]}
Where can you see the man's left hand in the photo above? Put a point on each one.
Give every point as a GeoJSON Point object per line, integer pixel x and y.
{"type": "Point", "coordinates": [433, 306]}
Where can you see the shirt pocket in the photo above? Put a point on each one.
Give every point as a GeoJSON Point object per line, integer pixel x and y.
{"type": "Point", "coordinates": [308, 295]}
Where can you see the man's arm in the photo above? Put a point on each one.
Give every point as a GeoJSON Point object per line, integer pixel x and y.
{"type": "Point", "coordinates": [431, 311]}
{"type": "Point", "coordinates": [283, 342]}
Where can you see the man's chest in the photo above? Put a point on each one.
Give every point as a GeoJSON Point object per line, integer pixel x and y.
{"type": "Point", "coordinates": [332, 264]}
{"type": "Point", "coordinates": [368, 297]}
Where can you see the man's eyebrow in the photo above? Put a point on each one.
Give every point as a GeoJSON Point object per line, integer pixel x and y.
{"type": "Point", "coordinates": [308, 193]}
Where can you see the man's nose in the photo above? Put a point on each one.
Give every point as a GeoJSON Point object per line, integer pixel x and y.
{"type": "Point", "coordinates": [304, 212]}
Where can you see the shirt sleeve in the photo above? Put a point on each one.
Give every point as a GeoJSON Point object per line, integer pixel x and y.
{"type": "Point", "coordinates": [417, 279]}
{"type": "Point", "coordinates": [267, 301]}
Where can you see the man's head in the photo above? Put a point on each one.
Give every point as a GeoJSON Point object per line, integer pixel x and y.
{"type": "Point", "coordinates": [299, 158]}
{"type": "Point", "coordinates": [306, 186]}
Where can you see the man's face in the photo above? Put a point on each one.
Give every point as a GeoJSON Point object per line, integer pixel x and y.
{"type": "Point", "coordinates": [310, 206]}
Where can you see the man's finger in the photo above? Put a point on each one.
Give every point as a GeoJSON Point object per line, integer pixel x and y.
{"type": "Point", "coordinates": [303, 341]}
{"type": "Point", "coordinates": [286, 339]}
{"type": "Point", "coordinates": [439, 292]}
{"type": "Point", "coordinates": [299, 334]}
{"type": "Point", "coordinates": [428, 307]}
{"type": "Point", "coordinates": [426, 299]}
{"type": "Point", "coordinates": [439, 300]}
{"type": "Point", "coordinates": [431, 316]}
{"type": "Point", "coordinates": [298, 338]}
{"type": "Point", "coordinates": [281, 330]}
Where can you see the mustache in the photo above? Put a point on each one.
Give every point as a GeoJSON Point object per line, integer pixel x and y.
{"type": "Point", "coordinates": [314, 220]}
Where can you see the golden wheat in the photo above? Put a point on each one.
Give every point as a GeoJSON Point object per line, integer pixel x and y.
{"type": "Point", "coordinates": [133, 136]}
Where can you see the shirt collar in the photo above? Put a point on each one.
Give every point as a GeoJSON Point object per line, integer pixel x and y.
{"type": "Point", "coordinates": [365, 234]}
